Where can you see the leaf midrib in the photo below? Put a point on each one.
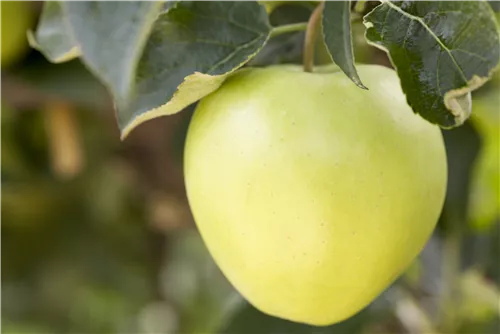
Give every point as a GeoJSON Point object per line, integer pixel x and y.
{"type": "Point", "coordinates": [418, 19]}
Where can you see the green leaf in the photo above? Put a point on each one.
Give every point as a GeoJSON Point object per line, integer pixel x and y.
{"type": "Point", "coordinates": [193, 47]}
{"type": "Point", "coordinates": [111, 36]}
{"type": "Point", "coordinates": [52, 37]}
{"type": "Point", "coordinates": [442, 50]}
{"type": "Point", "coordinates": [248, 320]}
{"type": "Point", "coordinates": [337, 37]}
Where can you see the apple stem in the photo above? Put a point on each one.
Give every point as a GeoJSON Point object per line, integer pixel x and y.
{"type": "Point", "coordinates": [288, 28]}
{"type": "Point", "coordinates": [311, 36]}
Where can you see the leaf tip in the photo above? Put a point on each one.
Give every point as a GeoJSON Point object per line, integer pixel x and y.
{"type": "Point", "coordinates": [124, 134]}
{"type": "Point", "coordinates": [360, 85]}
{"type": "Point", "coordinates": [355, 78]}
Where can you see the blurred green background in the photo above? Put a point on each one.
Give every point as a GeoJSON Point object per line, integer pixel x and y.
{"type": "Point", "coordinates": [97, 236]}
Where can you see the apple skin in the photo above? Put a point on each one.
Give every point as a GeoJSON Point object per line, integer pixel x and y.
{"type": "Point", "coordinates": [312, 194]}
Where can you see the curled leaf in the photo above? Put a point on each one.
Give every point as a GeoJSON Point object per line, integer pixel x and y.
{"type": "Point", "coordinates": [441, 50]}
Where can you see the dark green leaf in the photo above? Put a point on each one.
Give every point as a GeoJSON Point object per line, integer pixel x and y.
{"type": "Point", "coordinates": [337, 37]}
{"type": "Point", "coordinates": [111, 36]}
{"type": "Point", "coordinates": [442, 50]}
{"type": "Point", "coordinates": [248, 320]}
{"type": "Point", "coordinates": [192, 48]}
{"type": "Point", "coordinates": [52, 37]}
{"type": "Point", "coordinates": [286, 48]}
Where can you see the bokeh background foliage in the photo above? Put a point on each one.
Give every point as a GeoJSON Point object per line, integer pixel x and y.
{"type": "Point", "coordinates": [97, 236]}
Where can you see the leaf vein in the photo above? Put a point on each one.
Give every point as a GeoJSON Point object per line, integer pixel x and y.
{"type": "Point", "coordinates": [233, 53]}
{"type": "Point", "coordinates": [418, 19]}
{"type": "Point", "coordinates": [222, 19]}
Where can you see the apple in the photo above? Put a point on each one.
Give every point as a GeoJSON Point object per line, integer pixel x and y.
{"type": "Point", "coordinates": [17, 18]}
{"type": "Point", "coordinates": [312, 194]}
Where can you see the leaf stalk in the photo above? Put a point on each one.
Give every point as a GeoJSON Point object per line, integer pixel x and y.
{"type": "Point", "coordinates": [311, 36]}
{"type": "Point", "coordinates": [287, 28]}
